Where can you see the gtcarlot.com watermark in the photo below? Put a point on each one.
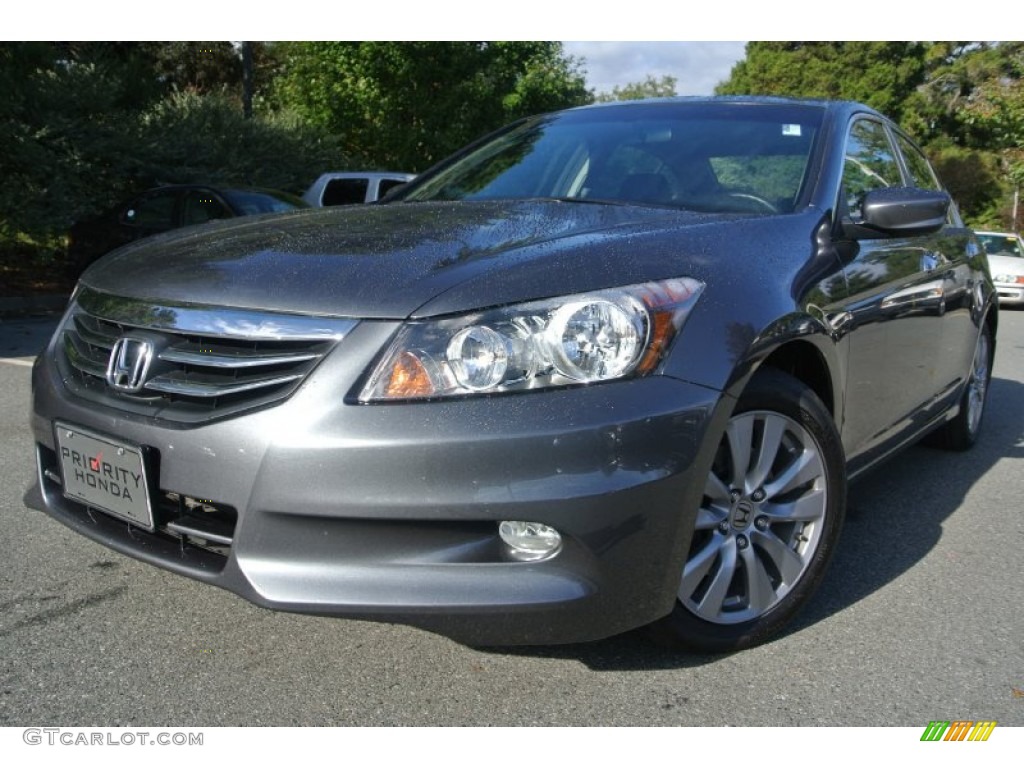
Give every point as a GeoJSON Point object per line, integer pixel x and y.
{"type": "Point", "coordinates": [79, 737]}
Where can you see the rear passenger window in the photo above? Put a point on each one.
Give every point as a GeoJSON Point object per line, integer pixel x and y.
{"type": "Point", "coordinates": [345, 191]}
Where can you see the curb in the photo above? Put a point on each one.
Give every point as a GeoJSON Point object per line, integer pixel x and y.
{"type": "Point", "coordinates": [17, 306]}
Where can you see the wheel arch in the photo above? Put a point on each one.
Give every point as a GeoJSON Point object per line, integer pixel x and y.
{"type": "Point", "coordinates": [768, 392]}
{"type": "Point", "coordinates": [804, 361]}
{"type": "Point", "coordinates": [811, 357]}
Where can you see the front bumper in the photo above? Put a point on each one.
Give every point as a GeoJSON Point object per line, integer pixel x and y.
{"type": "Point", "coordinates": [1010, 294]}
{"type": "Point", "coordinates": [390, 512]}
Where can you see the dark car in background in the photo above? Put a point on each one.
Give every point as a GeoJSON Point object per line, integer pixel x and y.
{"type": "Point", "coordinates": [169, 207]}
{"type": "Point", "coordinates": [606, 368]}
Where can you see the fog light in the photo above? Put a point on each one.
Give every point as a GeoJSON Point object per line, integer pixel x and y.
{"type": "Point", "coordinates": [529, 541]}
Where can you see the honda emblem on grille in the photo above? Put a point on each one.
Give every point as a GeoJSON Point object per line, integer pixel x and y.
{"type": "Point", "coordinates": [129, 363]}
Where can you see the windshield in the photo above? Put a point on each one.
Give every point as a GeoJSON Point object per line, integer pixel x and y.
{"type": "Point", "coordinates": [737, 158]}
{"type": "Point", "coordinates": [998, 244]}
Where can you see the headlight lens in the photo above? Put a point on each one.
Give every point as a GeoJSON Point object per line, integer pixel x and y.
{"type": "Point", "coordinates": [595, 339]}
{"type": "Point", "coordinates": [577, 339]}
{"type": "Point", "coordinates": [1008, 279]}
{"type": "Point", "coordinates": [478, 357]}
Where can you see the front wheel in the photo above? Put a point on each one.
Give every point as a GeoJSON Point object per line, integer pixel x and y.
{"type": "Point", "coordinates": [770, 517]}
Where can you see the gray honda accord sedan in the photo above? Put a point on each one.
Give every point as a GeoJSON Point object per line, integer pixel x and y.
{"type": "Point", "coordinates": [605, 368]}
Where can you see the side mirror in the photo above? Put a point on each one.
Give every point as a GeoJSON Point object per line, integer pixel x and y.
{"type": "Point", "coordinates": [899, 212]}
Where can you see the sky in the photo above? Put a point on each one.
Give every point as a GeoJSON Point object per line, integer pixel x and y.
{"type": "Point", "coordinates": [697, 66]}
{"type": "Point", "coordinates": [627, 55]}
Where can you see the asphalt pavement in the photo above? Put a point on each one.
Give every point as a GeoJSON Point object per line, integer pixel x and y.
{"type": "Point", "coordinates": [921, 618]}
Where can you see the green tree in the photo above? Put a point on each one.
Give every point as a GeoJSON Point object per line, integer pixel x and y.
{"type": "Point", "coordinates": [957, 74]}
{"type": "Point", "coordinates": [62, 133]}
{"type": "Point", "coordinates": [880, 74]}
{"type": "Point", "coordinates": [84, 125]}
{"type": "Point", "coordinates": [649, 88]}
{"type": "Point", "coordinates": [198, 66]}
{"type": "Point", "coordinates": [994, 117]}
{"type": "Point", "coordinates": [191, 137]}
{"type": "Point", "coordinates": [974, 179]}
{"type": "Point", "coordinates": [211, 67]}
{"type": "Point", "coordinates": [407, 105]}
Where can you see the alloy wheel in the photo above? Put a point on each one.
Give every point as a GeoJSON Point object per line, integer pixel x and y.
{"type": "Point", "coordinates": [978, 384]}
{"type": "Point", "coordinates": [760, 522]}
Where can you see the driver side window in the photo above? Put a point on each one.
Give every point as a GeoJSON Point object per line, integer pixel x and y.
{"type": "Point", "coordinates": [870, 164]}
{"type": "Point", "coordinates": [154, 211]}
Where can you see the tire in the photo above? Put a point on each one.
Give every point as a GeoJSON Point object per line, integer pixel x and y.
{"type": "Point", "coordinates": [962, 432]}
{"type": "Point", "coordinates": [766, 533]}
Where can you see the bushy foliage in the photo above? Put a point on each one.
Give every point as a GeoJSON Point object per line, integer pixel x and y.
{"type": "Point", "coordinates": [83, 127]}
{"type": "Point", "coordinates": [973, 179]}
{"type": "Point", "coordinates": [649, 88]}
{"type": "Point", "coordinates": [407, 105]}
{"type": "Point", "coordinates": [880, 74]}
{"type": "Point", "coordinates": [62, 131]}
{"type": "Point", "coordinates": [192, 138]}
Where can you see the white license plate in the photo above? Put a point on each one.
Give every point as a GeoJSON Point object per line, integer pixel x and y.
{"type": "Point", "coordinates": [106, 474]}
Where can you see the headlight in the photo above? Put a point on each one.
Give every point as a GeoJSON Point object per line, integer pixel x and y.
{"type": "Point", "coordinates": [577, 339]}
{"type": "Point", "coordinates": [1008, 279]}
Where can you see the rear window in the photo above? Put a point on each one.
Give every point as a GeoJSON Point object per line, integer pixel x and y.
{"type": "Point", "coordinates": [345, 191]}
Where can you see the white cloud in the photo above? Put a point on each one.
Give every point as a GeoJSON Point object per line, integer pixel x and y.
{"type": "Point", "coordinates": [697, 66]}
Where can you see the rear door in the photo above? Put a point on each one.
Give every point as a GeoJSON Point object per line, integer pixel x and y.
{"type": "Point", "coordinates": [957, 258]}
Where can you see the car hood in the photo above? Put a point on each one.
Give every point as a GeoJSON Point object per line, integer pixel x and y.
{"type": "Point", "coordinates": [411, 259]}
{"type": "Point", "coordinates": [1006, 265]}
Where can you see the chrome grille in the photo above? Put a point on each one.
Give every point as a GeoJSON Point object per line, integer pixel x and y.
{"type": "Point", "coordinates": [209, 363]}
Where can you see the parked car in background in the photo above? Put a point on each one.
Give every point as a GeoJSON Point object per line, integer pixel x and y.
{"type": "Point", "coordinates": [345, 188]}
{"type": "Point", "coordinates": [1006, 262]}
{"type": "Point", "coordinates": [608, 367]}
{"type": "Point", "coordinates": [168, 207]}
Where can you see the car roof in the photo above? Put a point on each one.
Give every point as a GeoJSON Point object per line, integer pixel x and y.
{"type": "Point", "coordinates": [367, 175]}
{"type": "Point", "coordinates": [832, 105]}
{"type": "Point", "coordinates": [215, 188]}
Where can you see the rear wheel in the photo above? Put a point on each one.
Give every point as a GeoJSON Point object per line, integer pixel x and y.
{"type": "Point", "coordinates": [769, 521]}
{"type": "Point", "coordinates": [962, 432]}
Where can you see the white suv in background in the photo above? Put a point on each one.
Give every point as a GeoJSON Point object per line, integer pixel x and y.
{"type": "Point", "coordinates": [337, 188]}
